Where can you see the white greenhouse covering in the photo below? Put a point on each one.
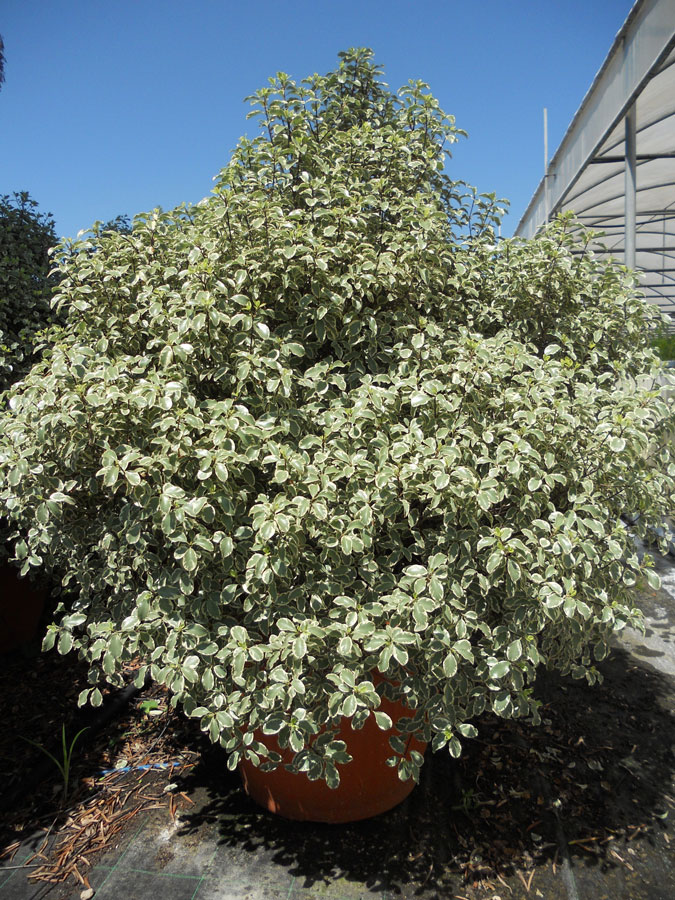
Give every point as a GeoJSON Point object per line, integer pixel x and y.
{"type": "Point", "coordinates": [615, 167]}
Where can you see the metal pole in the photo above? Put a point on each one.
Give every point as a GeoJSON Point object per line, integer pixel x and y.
{"type": "Point", "coordinates": [546, 202]}
{"type": "Point", "coordinates": [630, 190]}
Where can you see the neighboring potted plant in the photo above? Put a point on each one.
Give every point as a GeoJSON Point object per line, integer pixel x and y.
{"type": "Point", "coordinates": [26, 285]}
{"type": "Point", "coordinates": [22, 603]}
{"type": "Point", "coordinates": [327, 455]}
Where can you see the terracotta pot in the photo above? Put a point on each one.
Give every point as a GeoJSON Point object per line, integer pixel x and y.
{"type": "Point", "coordinates": [367, 786]}
{"type": "Point", "coordinates": [21, 606]}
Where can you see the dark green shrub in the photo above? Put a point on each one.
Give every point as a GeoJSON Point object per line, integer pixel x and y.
{"type": "Point", "coordinates": [26, 236]}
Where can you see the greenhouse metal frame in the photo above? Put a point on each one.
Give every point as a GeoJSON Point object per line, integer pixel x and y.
{"type": "Point", "coordinates": [615, 167]}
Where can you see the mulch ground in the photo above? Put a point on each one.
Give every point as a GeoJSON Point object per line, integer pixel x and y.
{"type": "Point", "coordinates": [38, 693]}
{"type": "Point", "coordinates": [596, 774]}
{"type": "Point", "coordinates": [600, 764]}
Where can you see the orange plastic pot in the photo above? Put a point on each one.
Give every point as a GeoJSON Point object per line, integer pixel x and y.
{"type": "Point", "coordinates": [368, 786]}
{"type": "Point", "coordinates": [21, 606]}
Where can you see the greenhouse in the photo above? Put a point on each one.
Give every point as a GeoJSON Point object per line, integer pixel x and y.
{"type": "Point", "coordinates": [615, 167]}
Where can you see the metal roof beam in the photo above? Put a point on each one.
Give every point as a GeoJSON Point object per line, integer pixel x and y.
{"type": "Point", "coordinates": [644, 189]}
{"type": "Point", "coordinates": [664, 213]}
{"type": "Point", "coordinates": [640, 157]}
{"type": "Point", "coordinates": [629, 200]}
{"type": "Point", "coordinates": [640, 47]}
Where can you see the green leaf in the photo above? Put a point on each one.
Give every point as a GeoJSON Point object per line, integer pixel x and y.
{"type": "Point", "coordinates": [501, 702]}
{"type": "Point", "coordinates": [493, 561]}
{"type": "Point", "coordinates": [190, 674]}
{"type": "Point", "coordinates": [463, 647]}
{"type": "Point", "coordinates": [60, 497]}
{"type": "Point", "coordinates": [513, 570]}
{"type": "Point", "coordinates": [273, 724]}
{"type": "Point", "coordinates": [166, 357]}
{"type": "Point", "coordinates": [500, 669]}
{"type": "Point", "coordinates": [111, 476]}
{"type": "Point", "coordinates": [584, 609]}
{"type": "Point", "coordinates": [65, 642]}
{"type": "Point", "coordinates": [190, 560]}
{"type": "Point", "coordinates": [420, 617]}
{"type": "Point", "coordinates": [450, 665]}
{"type": "Point", "coordinates": [400, 654]}
{"type": "Point", "coordinates": [653, 579]}
{"type": "Point", "coordinates": [436, 589]}
{"type": "Point", "coordinates": [195, 506]}
{"type": "Point", "coordinates": [419, 398]}
{"type": "Point", "coordinates": [345, 646]}
{"type": "Point", "coordinates": [349, 706]}
{"type": "Point", "coordinates": [383, 720]}
{"type": "Point", "coordinates": [49, 640]}
{"type": "Point", "coordinates": [267, 531]}
{"type": "Point", "coordinates": [332, 776]}
{"type": "Point", "coordinates": [484, 500]}
{"type": "Point", "coordinates": [454, 747]}
{"type": "Point", "coordinates": [467, 730]}
{"type": "Point", "coordinates": [514, 650]}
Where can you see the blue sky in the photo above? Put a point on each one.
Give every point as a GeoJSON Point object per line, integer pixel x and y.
{"type": "Point", "coordinates": [118, 107]}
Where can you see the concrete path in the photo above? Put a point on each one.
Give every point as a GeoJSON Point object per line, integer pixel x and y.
{"type": "Point", "coordinates": [657, 645]}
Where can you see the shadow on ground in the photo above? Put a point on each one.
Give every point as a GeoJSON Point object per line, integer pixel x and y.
{"type": "Point", "coordinates": [593, 778]}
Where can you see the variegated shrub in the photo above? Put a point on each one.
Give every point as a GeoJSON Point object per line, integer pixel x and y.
{"type": "Point", "coordinates": [322, 424]}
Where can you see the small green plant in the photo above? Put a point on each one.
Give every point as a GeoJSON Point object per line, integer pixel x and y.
{"type": "Point", "coordinates": [62, 764]}
{"type": "Point", "coordinates": [468, 802]}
